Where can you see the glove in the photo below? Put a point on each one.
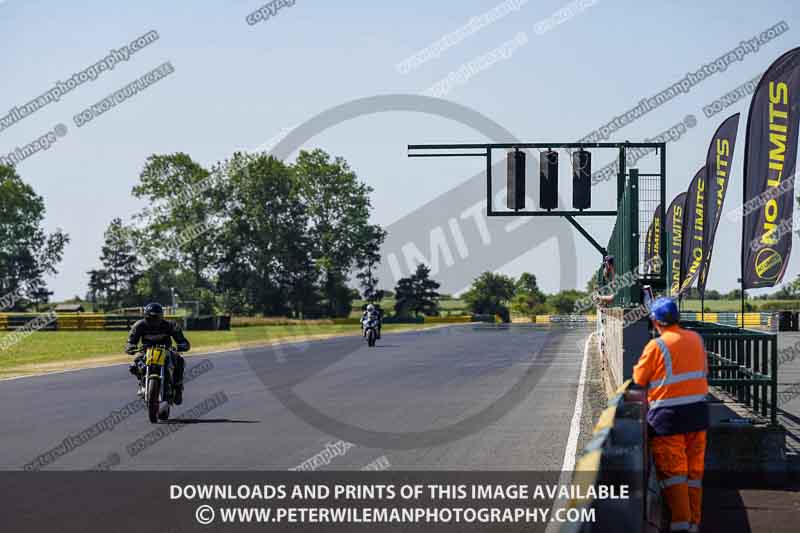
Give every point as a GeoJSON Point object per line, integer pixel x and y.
{"type": "Point", "coordinates": [130, 349]}
{"type": "Point", "coordinates": [182, 347]}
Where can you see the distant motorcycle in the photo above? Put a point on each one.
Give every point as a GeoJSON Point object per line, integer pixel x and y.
{"type": "Point", "coordinates": [159, 363]}
{"type": "Point", "coordinates": [371, 331]}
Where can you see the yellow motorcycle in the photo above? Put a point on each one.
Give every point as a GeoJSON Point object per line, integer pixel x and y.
{"type": "Point", "coordinates": [159, 394]}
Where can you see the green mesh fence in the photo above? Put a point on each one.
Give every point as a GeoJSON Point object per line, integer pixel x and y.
{"type": "Point", "coordinates": [624, 245]}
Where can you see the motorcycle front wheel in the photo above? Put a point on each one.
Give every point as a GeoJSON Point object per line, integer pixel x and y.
{"type": "Point", "coordinates": [153, 388]}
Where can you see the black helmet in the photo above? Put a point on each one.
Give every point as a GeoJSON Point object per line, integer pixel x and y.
{"type": "Point", "coordinates": [153, 312]}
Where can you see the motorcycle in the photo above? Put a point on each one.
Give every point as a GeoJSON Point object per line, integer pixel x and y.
{"type": "Point", "coordinates": [159, 365]}
{"type": "Point", "coordinates": [371, 331]}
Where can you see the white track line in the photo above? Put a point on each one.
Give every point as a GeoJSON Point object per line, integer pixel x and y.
{"type": "Point", "coordinates": [572, 441]}
{"type": "Point", "coordinates": [575, 425]}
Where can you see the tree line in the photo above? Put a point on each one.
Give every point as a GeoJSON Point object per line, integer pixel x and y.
{"type": "Point", "coordinates": [250, 235]}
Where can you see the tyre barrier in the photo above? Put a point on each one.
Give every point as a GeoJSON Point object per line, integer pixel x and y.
{"type": "Point", "coordinates": [788, 321]}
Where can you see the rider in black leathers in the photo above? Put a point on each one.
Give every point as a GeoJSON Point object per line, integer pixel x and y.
{"type": "Point", "coordinates": [154, 330]}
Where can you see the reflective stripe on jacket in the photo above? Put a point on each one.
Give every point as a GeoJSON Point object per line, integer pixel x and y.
{"type": "Point", "coordinates": [673, 368]}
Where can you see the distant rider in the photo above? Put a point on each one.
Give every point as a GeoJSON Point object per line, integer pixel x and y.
{"type": "Point", "coordinates": [372, 313]}
{"type": "Point", "coordinates": [153, 330]}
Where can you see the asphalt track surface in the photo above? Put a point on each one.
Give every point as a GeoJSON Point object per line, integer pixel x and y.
{"type": "Point", "coordinates": [458, 398]}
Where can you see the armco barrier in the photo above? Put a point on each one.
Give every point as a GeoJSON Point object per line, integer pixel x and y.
{"type": "Point", "coordinates": [19, 320]}
{"type": "Point", "coordinates": [460, 319]}
{"type": "Point", "coordinates": [89, 321]}
{"type": "Point", "coordinates": [760, 320]}
{"type": "Point", "coordinates": [618, 455]}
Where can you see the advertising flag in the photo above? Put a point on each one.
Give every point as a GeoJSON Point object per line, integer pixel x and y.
{"type": "Point", "coordinates": [648, 248]}
{"type": "Point", "coordinates": [694, 222]}
{"type": "Point", "coordinates": [718, 172]}
{"type": "Point", "coordinates": [770, 157]}
{"type": "Point", "coordinates": [674, 235]}
{"type": "Point", "coordinates": [653, 260]}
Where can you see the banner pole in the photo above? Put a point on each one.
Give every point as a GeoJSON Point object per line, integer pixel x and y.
{"type": "Point", "coordinates": [742, 312]}
{"type": "Point", "coordinates": [702, 306]}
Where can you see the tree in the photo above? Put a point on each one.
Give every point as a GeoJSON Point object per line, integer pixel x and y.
{"type": "Point", "coordinates": [155, 283]}
{"type": "Point", "coordinates": [527, 296]}
{"type": "Point", "coordinates": [564, 302]}
{"type": "Point", "coordinates": [489, 294]}
{"type": "Point", "coordinates": [98, 286]}
{"type": "Point", "coordinates": [27, 253]}
{"type": "Point", "coordinates": [713, 294]}
{"type": "Point", "coordinates": [788, 291]}
{"type": "Point", "coordinates": [338, 209]}
{"type": "Point", "coordinates": [266, 264]}
{"type": "Point", "coordinates": [417, 294]}
{"type": "Point", "coordinates": [734, 294]}
{"type": "Point", "coordinates": [116, 281]}
{"type": "Point", "coordinates": [367, 263]}
{"type": "Point", "coordinates": [180, 219]}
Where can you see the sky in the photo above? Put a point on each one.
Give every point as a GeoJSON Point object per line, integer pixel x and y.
{"type": "Point", "coordinates": [235, 85]}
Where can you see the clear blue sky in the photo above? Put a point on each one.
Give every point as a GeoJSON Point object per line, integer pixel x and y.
{"type": "Point", "coordinates": [236, 86]}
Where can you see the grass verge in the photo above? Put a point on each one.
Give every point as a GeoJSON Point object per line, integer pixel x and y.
{"type": "Point", "coordinates": [54, 351]}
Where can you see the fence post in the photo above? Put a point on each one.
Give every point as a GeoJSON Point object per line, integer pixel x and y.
{"type": "Point", "coordinates": [774, 381]}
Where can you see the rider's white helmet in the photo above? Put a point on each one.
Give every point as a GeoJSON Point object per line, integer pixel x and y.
{"type": "Point", "coordinates": [370, 308]}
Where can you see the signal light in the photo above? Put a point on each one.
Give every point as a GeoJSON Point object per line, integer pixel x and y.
{"type": "Point", "coordinates": [581, 179]}
{"type": "Point", "coordinates": [548, 180]}
{"type": "Point", "coordinates": [515, 180]}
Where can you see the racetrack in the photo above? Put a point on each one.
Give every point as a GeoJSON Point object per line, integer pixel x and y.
{"type": "Point", "coordinates": [458, 397]}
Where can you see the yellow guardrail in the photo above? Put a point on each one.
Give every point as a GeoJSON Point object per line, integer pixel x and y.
{"type": "Point", "coordinates": [73, 321]}
{"type": "Point", "coordinates": [752, 319]}
{"type": "Point", "coordinates": [459, 319]}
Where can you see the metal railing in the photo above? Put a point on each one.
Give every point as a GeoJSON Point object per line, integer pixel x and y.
{"type": "Point", "coordinates": [743, 363]}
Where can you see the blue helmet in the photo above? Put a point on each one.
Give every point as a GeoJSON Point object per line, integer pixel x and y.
{"type": "Point", "coordinates": [665, 311]}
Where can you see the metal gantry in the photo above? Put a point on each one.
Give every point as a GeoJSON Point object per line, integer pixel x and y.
{"type": "Point", "coordinates": [485, 150]}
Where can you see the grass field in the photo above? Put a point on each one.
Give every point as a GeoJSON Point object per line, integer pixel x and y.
{"type": "Point", "coordinates": [58, 350]}
{"type": "Point", "coordinates": [732, 306]}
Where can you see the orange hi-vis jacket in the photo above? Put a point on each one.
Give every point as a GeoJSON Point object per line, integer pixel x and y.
{"type": "Point", "coordinates": [673, 368]}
